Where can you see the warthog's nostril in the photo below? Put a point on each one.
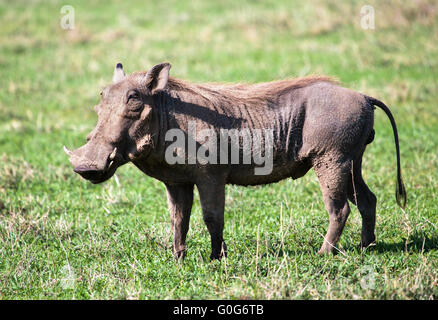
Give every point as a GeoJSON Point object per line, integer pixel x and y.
{"type": "Point", "coordinates": [80, 169]}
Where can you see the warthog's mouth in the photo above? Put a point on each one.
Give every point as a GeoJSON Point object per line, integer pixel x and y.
{"type": "Point", "coordinates": [90, 172]}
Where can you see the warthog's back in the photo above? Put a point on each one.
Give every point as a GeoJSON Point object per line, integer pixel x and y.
{"type": "Point", "coordinates": [305, 117]}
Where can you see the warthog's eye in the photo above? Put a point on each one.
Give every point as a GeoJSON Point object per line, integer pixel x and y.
{"type": "Point", "coordinates": [133, 95]}
{"type": "Point", "coordinates": [134, 100]}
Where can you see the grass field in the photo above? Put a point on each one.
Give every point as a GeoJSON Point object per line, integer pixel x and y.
{"type": "Point", "coordinates": [64, 238]}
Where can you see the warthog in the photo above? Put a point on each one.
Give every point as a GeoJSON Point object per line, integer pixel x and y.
{"type": "Point", "coordinates": [312, 121]}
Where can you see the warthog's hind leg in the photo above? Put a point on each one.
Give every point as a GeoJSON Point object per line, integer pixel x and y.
{"type": "Point", "coordinates": [366, 204]}
{"type": "Point", "coordinates": [334, 181]}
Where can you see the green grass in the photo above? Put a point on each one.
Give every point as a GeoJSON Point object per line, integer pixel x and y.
{"type": "Point", "coordinates": [63, 238]}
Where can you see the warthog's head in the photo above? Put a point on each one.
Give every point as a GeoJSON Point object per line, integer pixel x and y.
{"type": "Point", "coordinates": [126, 124]}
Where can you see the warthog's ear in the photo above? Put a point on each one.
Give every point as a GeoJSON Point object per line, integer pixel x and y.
{"type": "Point", "coordinates": [119, 74]}
{"type": "Point", "coordinates": [156, 78]}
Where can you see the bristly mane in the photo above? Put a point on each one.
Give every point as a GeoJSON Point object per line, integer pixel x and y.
{"type": "Point", "coordinates": [239, 93]}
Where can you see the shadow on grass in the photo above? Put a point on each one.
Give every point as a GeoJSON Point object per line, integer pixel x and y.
{"type": "Point", "coordinates": [415, 243]}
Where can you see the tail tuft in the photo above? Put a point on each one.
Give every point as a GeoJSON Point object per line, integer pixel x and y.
{"type": "Point", "coordinates": [400, 194]}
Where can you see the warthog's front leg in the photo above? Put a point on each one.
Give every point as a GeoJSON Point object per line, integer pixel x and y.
{"type": "Point", "coordinates": [212, 196]}
{"type": "Point", "coordinates": [180, 199]}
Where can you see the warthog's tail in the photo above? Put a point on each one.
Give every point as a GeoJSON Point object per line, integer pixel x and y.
{"type": "Point", "coordinates": [400, 191]}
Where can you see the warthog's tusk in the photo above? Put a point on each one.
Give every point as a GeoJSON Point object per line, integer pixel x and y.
{"type": "Point", "coordinates": [68, 152]}
{"type": "Point", "coordinates": [113, 154]}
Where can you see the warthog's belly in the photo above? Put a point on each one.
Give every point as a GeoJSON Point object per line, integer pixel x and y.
{"type": "Point", "coordinates": [244, 175]}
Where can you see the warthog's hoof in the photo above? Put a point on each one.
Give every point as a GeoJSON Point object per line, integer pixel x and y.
{"type": "Point", "coordinates": [326, 248]}
{"type": "Point", "coordinates": [179, 254]}
{"type": "Point", "coordinates": [326, 252]}
{"type": "Point", "coordinates": [219, 254]}
{"type": "Point", "coordinates": [368, 244]}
